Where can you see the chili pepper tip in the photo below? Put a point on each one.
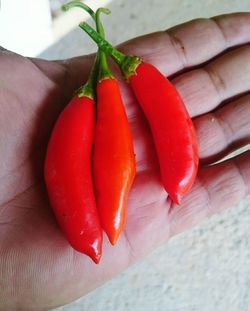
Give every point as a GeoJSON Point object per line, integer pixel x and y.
{"type": "Point", "coordinates": [94, 254]}
{"type": "Point", "coordinates": [113, 239]}
{"type": "Point", "coordinates": [176, 198]}
{"type": "Point", "coordinates": [96, 259]}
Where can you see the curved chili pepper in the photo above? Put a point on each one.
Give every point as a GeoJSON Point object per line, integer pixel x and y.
{"type": "Point", "coordinates": [68, 174]}
{"type": "Point", "coordinates": [113, 156]}
{"type": "Point", "coordinates": [171, 126]}
{"type": "Point", "coordinates": [172, 129]}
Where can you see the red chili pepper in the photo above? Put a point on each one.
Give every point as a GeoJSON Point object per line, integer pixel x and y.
{"type": "Point", "coordinates": [113, 157]}
{"type": "Point", "coordinates": [68, 174]}
{"type": "Point", "coordinates": [171, 126]}
{"type": "Point", "coordinates": [172, 129]}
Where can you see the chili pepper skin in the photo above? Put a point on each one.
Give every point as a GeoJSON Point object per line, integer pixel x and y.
{"type": "Point", "coordinates": [68, 176]}
{"type": "Point", "coordinates": [113, 158]}
{"type": "Point", "coordinates": [171, 127]}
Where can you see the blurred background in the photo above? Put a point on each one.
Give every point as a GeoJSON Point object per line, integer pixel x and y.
{"type": "Point", "coordinates": [28, 27]}
{"type": "Point", "coordinates": [204, 269]}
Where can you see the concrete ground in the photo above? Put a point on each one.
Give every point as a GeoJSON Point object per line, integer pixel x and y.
{"type": "Point", "coordinates": [206, 268]}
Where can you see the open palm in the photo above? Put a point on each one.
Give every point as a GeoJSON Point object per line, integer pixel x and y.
{"type": "Point", "coordinates": [210, 62]}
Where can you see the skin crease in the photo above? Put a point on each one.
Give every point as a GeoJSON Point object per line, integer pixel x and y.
{"type": "Point", "coordinates": [38, 269]}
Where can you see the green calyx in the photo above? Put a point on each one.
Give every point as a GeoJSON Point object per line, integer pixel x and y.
{"type": "Point", "coordinates": [127, 64]}
{"type": "Point", "coordinates": [85, 90]}
{"type": "Point", "coordinates": [88, 89]}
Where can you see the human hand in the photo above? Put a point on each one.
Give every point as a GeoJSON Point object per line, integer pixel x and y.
{"type": "Point", "coordinates": [38, 268]}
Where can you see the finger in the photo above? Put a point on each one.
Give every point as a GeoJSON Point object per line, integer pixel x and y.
{"type": "Point", "coordinates": [223, 130]}
{"type": "Point", "coordinates": [217, 187]}
{"type": "Point", "coordinates": [186, 45]}
{"type": "Point", "coordinates": [191, 43]}
{"type": "Point", "coordinates": [203, 89]}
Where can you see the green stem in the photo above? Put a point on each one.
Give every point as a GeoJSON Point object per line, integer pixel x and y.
{"type": "Point", "coordinates": [127, 64]}
{"type": "Point", "coordinates": [86, 8]}
{"type": "Point", "coordinates": [73, 4]}
{"type": "Point", "coordinates": [104, 68]}
{"type": "Point", "coordinates": [88, 89]}
{"type": "Point", "coordinates": [99, 26]}
{"type": "Point", "coordinates": [103, 44]}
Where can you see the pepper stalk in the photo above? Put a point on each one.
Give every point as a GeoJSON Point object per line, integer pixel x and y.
{"type": "Point", "coordinates": [127, 63]}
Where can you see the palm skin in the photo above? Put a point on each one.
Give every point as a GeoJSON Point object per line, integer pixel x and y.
{"type": "Point", "coordinates": [38, 268]}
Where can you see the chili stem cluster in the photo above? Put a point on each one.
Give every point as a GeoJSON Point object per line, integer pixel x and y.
{"type": "Point", "coordinates": [171, 126]}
